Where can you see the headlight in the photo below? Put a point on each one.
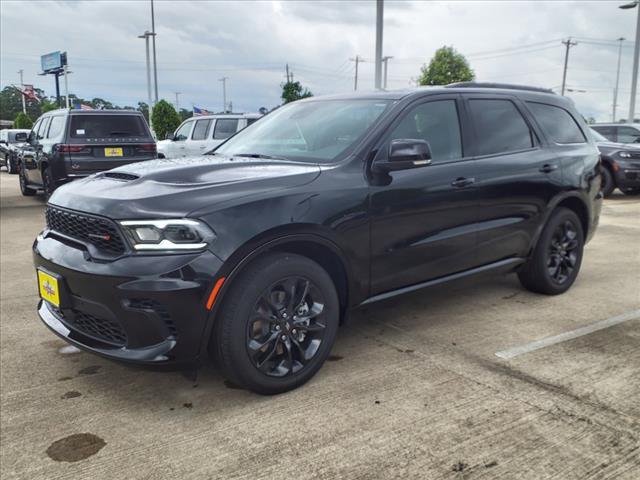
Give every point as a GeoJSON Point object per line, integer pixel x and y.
{"type": "Point", "coordinates": [624, 154]}
{"type": "Point", "coordinates": [179, 234]}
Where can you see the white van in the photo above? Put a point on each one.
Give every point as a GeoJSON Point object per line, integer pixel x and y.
{"type": "Point", "coordinates": [198, 135]}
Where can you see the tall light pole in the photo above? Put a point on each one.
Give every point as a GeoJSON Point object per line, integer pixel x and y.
{"type": "Point", "coordinates": [636, 54]}
{"type": "Point", "coordinates": [379, 22]}
{"type": "Point", "coordinates": [24, 101]}
{"type": "Point", "coordinates": [568, 44]}
{"type": "Point", "coordinates": [146, 36]}
{"type": "Point", "coordinates": [224, 93]}
{"type": "Point", "coordinates": [155, 64]}
{"type": "Point", "coordinates": [177, 101]}
{"type": "Point", "coordinates": [385, 60]}
{"type": "Point", "coordinates": [615, 91]}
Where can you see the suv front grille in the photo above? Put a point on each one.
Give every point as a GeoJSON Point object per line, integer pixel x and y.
{"type": "Point", "coordinates": [99, 232]}
{"type": "Point", "coordinates": [100, 329]}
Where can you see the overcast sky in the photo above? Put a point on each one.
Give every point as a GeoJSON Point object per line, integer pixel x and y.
{"type": "Point", "coordinates": [250, 42]}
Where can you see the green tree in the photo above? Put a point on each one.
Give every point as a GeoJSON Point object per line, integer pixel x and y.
{"type": "Point", "coordinates": [184, 114]}
{"type": "Point", "coordinates": [292, 91]}
{"type": "Point", "coordinates": [446, 66]}
{"type": "Point", "coordinates": [143, 107]}
{"type": "Point", "coordinates": [22, 121]}
{"type": "Point", "coordinates": [11, 104]}
{"type": "Point", "coordinates": [165, 119]}
{"type": "Point", "coordinates": [47, 106]}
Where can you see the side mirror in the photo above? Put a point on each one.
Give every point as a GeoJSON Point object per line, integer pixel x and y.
{"type": "Point", "coordinates": [405, 154]}
{"type": "Point", "coordinates": [21, 137]}
{"type": "Point", "coordinates": [170, 136]}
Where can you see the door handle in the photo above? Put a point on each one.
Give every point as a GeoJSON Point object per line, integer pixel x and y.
{"type": "Point", "coordinates": [548, 168]}
{"type": "Point", "coordinates": [463, 182]}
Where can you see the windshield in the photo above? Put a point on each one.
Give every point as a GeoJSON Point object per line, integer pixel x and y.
{"type": "Point", "coordinates": [312, 131]}
{"type": "Point", "coordinates": [598, 137]}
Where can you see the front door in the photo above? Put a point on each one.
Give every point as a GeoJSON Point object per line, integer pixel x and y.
{"type": "Point", "coordinates": [422, 220]}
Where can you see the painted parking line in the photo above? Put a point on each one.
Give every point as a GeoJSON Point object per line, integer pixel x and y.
{"type": "Point", "coordinates": [570, 335]}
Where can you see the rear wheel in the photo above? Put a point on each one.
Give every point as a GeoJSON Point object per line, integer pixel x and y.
{"type": "Point", "coordinates": [11, 165]}
{"type": "Point", "coordinates": [48, 183]}
{"type": "Point", "coordinates": [25, 189]}
{"type": "Point", "coordinates": [608, 183]}
{"type": "Point", "coordinates": [556, 260]}
{"type": "Point", "coordinates": [277, 324]}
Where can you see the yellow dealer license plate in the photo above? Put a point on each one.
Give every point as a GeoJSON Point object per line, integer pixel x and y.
{"type": "Point", "coordinates": [48, 286]}
{"type": "Point", "coordinates": [113, 152]}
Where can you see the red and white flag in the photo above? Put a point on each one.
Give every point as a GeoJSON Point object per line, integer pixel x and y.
{"type": "Point", "coordinates": [29, 93]}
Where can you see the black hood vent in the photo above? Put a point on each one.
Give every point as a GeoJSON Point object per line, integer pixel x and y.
{"type": "Point", "coordinates": [127, 177]}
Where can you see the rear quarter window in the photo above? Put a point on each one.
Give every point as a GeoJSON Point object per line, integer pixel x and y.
{"type": "Point", "coordinates": [557, 123]}
{"type": "Point", "coordinates": [107, 126]}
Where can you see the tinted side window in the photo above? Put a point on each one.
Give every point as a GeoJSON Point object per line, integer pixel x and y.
{"type": "Point", "coordinates": [43, 128]}
{"type": "Point", "coordinates": [628, 135]}
{"type": "Point", "coordinates": [55, 128]}
{"type": "Point", "coordinates": [608, 132]}
{"type": "Point", "coordinates": [437, 123]}
{"type": "Point", "coordinates": [201, 130]}
{"type": "Point", "coordinates": [499, 126]}
{"type": "Point", "coordinates": [225, 127]}
{"type": "Point", "coordinates": [557, 122]}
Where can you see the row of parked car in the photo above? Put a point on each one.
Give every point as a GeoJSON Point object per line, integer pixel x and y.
{"type": "Point", "coordinates": [64, 145]}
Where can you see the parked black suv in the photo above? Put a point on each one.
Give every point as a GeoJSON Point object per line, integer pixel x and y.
{"type": "Point", "coordinates": [71, 144]}
{"type": "Point", "coordinates": [257, 251]}
{"type": "Point", "coordinates": [9, 148]}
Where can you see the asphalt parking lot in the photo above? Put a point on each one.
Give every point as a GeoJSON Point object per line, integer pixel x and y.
{"type": "Point", "coordinates": [413, 389]}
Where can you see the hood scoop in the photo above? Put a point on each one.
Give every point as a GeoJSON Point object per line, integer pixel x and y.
{"type": "Point", "coordinates": [125, 177]}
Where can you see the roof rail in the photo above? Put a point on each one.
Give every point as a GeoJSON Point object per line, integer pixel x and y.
{"type": "Point", "coordinates": [505, 86]}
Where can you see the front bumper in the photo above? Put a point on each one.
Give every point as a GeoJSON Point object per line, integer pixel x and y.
{"type": "Point", "coordinates": [138, 308]}
{"type": "Point", "coordinates": [627, 178]}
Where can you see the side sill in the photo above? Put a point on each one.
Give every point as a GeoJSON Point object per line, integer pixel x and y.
{"type": "Point", "coordinates": [506, 264]}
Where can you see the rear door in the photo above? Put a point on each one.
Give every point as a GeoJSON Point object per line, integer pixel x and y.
{"type": "Point", "coordinates": [516, 176]}
{"type": "Point", "coordinates": [198, 143]}
{"type": "Point", "coordinates": [223, 129]}
{"type": "Point", "coordinates": [102, 141]}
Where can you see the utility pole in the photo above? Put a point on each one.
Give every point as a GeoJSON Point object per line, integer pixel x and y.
{"type": "Point", "coordinates": [379, 25]}
{"type": "Point", "coordinates": [634, 76]}
{"type": "Point", "coordinates": [287, 73]}
{"type": "Point", "coordinates": [24, 101]}
{"type": "Point", "coordinates": [568, 43]}
{"type": "Point", "coordinates": [177, 101]}
{"type": "Point", "coordinates": [224, 93]}
{"type": "Point", "coordinates": [155, 64]}
{"type": "Point", "coordinates": [385, 60]}
{"type": "Point", "coordinates": [615, 90]}
{"type": "Point", "coordinates": [357, 59]}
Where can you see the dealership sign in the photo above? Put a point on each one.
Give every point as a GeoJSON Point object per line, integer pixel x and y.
{"type": "Point", "coordinates": [54, 61]}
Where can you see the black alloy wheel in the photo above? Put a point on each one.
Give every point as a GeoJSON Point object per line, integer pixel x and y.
{"type": "Point", "coordinates": [48, 184]}
{"type": "Point", "coordinates": [276, 324]}
{"type": "Point", "coordinates": [563, 256]}
{"type": "Point", "coordinates": [555, 261]}
{"type": "Point", "coordinates": [286, 330]}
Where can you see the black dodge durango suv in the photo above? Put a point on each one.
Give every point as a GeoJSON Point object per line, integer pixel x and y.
{"type": "Point", "coordinates": [69, 144]}
{"type": "Point", "coordinates": [256, 251]}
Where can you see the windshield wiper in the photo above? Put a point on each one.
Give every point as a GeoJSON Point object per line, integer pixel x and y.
{"type": "Point", "coordinates": [258, 155]}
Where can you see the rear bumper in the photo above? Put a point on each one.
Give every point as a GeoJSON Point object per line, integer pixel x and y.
{"type": "Point", "coordinates": [140, 309]}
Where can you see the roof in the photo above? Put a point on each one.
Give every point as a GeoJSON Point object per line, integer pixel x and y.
{"type": "Point", "coordinates": [77, 111]}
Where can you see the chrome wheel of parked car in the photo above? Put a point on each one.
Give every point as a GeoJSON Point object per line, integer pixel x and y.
{"type": "Point", "coordinates": [286, 330]}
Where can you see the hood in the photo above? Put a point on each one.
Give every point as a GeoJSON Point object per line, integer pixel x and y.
{"type": "Point", "coordinates": [167, 188]}
{"type": "Point", "coordinates": [608, 148]}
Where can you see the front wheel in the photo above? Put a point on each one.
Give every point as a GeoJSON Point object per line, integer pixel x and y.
{"type": "Point", "coordinates": [277, 324]}
{"type": "Point", "coordinates": [11, 165]}
{"type": "Point", "coordinates": [608, 184]}
{"type": "Point", "coordinates": [556, 260]}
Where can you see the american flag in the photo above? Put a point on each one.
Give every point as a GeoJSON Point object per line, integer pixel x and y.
{"type": "Point", "coordinates": [200, 111]}
{"type": "Point", "coordinates": [82, 106]}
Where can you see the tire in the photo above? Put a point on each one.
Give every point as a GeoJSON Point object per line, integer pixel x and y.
{"type": "Point", "coordinates": [608, 183]}
{"type": "Point", "coordinates": [259, 312]}
{"type": "Point", "coordinates": [24, 187]}
{"type": "Point", "coordinates": [556, 259]}
{"type": "Point", "coordinates": [11, 165]}
{"type": "Point", "coordinates": [48, 184]}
